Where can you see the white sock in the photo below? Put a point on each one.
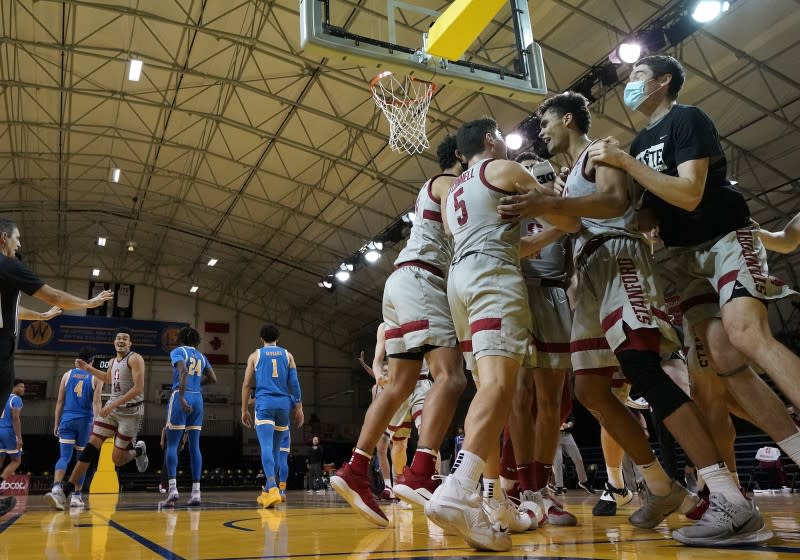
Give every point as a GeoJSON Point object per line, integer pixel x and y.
{"type": "Point", "coordinates": [507, 483]}
{"type": "Point", "coordinates": [173, 484]}
{"type": "Point", "coordinates": [657, 480]}
{"type": "Point", "coordinates": [791, 446]}
{"type": "Point", "coordinates": [387, 483]}
{"type": "Point", "coordinates": [468, 466]}
{"type": "Point", "coordinates": [615, 477]}
{"type": "Point", "coordinates": [195, 487]}
{"type": "Point", "coordinates": [489, 485]}
{"type": "Point", "coordinates": [719, 481]}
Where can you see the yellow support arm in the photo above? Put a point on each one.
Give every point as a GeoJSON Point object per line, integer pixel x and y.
{"type": "Point", "coordinates": [459, 25]}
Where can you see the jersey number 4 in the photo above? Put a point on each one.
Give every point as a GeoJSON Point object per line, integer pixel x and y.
{"type": "Point", "coordinates": [195, 366]}
{"type": "Point", "coordinates": [461, 208]}
{"type": "Point", "coordinates": [79, 389]}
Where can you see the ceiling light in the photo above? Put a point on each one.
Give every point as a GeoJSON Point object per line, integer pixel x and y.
{"type": "Point", "coordinates": [373, 255]}
{"type": "Point", "coordinates": [342, 275]}
{"type": "Point", "coordinates": [629, 52]}
{"type": "Point", "coordinates": [135, 70]}
{"type": "Point", "coordinates": [95, 272]}
{"type": "Point", "coordinates": [131, 246]}
{"type": "Point", "coordinates": [212, 262]}
{"type": "Point", "coordinates": [193, 290]}
{"type": "Point", "coordinates": [410, 217]}
{"type": "Point", "coordinates": [101, 241]}
{"type": "Point", "coordinates": [326, 283]}
{"type": "Point", "coordinates": [115, 175]}
{"type": "Point", "coordinates": [707, 10]}
{"type": "Point", "coordinates": [514, 141]}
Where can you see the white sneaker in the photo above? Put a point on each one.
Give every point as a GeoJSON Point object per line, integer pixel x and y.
{"type": "Point", "coordinates": [504, 514]}
{"type": "Point", "coordinates": [532, 505]}
{"type": "Point", "coordinates": [194, 501]}
{"type": "Point", "coordinates": [142, 461]}
{"type": "Point", "coordinates": [725, 524]}
{"type": "Point", "coordinates": [56, 498]}
{"type": "Point", "coordinates": [457, 506]}
{"type": "Point", "coordinates": [555, 514]}
{"type": "Point", "coordinates": [172, 497]}
{"type": "Point", "coordinates": [76, 501]}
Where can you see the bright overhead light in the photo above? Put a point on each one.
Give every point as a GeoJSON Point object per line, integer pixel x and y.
{"type": "Point", "coordinates": [372, 251]}
{"type": "Point", "coordinates": [193, 290]}
{"type": "Point", "coordinates": [708, 10]}
{"type": "Point", "coordinates": [514, 141]}
{"type": "Point", "coordinates": [131, 246]}
{"type": "Point", "coordinates": [101, 241]}
{"type": "Point", "coordinates": [115, 175]}
{"type": "Point", "coordinates": [135, 70]}
{"type": "Point", "coordinates": [410, 217]}
{"type": "Point", "coordinates": [629, 52]}
{"type": "Point", "coordinates": [342, 275]}
{"type": "Point", "coordinates": [327, 284]}
{"type": "Point", "coordinates": [212, 262]}
{"type": "Point", "coordinates": [95, 272]}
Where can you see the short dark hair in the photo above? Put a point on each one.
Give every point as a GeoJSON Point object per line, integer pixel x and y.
{"type": "Point", "coordinates": [86, 354]}
{"type": "Point", "coordinates": [188, 336]}
{"type": "Point", "coordinates": [525, 156]}
{"type": "Point", "coordinates": [17, 381]}
{"type": "Point", "coordinates": [7, 226]}
{"type": "Point", "coordinates": [270, 333]}
{"type": "Point", "coordinates": [446, 152]}
{"type": "Point", "coordinates": [661, 65]}
{"type": "Point", "coordinates": [569, 102]}
{"type": "Point", "coordinates": [470, 136]}
{"type": "Point", "coordinates": [124, 330]}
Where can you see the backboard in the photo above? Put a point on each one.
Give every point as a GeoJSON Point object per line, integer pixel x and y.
{"type": "Point", "coordinates": [391, 35]}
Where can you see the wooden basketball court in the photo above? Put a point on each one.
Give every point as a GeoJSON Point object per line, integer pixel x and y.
{"type": "Point", "coordinates": [230, 526]}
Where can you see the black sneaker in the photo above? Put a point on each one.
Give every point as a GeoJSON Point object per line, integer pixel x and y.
{"type": "Point", "coordinates": [586, 486]}
{"type": "Point", "coordinates": [560, 490]}
{"type": "Point", "coordinates": [609, 499]}
{"type": "Point", "coordinates": [7, 503]}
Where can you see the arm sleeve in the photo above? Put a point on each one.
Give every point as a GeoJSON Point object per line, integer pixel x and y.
{"type": "Point", "coordinates": [294, 386]}
{"type": "Point", "coordinates": [694, 136]}
{"type": "Point", "coordinates": [15, 273]}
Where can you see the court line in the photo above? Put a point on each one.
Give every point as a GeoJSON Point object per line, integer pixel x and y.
{"type": "Point", "coordinates": [145, 542]}
{"type": "Point", "coordinates": [10, 522]}
{"type": "Point", "coordinates": [230, 524]}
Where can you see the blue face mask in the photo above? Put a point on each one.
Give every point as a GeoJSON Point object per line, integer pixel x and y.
{"type": "Point", "coordinates": [634, 94]}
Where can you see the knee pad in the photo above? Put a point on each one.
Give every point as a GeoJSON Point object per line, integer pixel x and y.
{"type": "Point", "coordinates": [90, 454]}
{"type": "Point", "coordinates": [647, 378]}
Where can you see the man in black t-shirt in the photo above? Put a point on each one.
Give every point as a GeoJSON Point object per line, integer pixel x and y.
{"type": "Point", "coordinates": [15, 277]}
{"type": "Point", "coordinates": [704, 222]}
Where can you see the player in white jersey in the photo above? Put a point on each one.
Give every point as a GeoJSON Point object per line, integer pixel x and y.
{"type": "Point", "coordinates": [489, 303]}
{"type": "Point", "coordinates": [620, 313]}
{"type": "Point", "coordinates": [121, 416]}
{"type": "Point", "coordinates": [539, 388]}
{"type": "Point", "coordinates": [418, 325]}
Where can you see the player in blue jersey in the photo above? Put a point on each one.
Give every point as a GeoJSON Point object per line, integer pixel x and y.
{"type": "Point", "coordinates": [77, 405]}
{"type": "Point", "coordinates": [271, 370]}
{"type": "Point", "coordinates": [190, 370]}
{"type": "Point", "coordinates": [281, 455]}
{"type": "Point", "coordinates": [11, 431]}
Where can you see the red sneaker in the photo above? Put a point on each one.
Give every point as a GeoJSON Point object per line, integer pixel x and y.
{"type": "Point", "coordinates": [387, 495]}
{"type": "Point", "coordinates": [416, 489]}
{"type": "Point", "coordinates": [700, 509]}
{"type": "Point", "coordinates": [355, 491]}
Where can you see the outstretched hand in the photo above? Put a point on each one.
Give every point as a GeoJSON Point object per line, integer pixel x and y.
{"type": "Point", "coordinates": [101, 298]}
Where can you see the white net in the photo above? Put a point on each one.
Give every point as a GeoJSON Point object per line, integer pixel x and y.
{"type": "Point", "coordinates": [405, 103]}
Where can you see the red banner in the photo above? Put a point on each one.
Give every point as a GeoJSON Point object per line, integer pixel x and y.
{"type": "Point", "coordinates": [16, 485]}
{"type": "Point", "coordinates": [217, 342]}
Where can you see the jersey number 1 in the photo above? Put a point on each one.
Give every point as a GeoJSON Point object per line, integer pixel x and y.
{"type": "Point", "coordinates": [274, 367]}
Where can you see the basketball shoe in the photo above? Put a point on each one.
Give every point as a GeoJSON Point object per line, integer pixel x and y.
{"type": "Point", "coordinates": [355, 491]}
{"type": "Point", "coordinates": [610, 499]}
{"type": "Point", "coordinates": [725, 524]}
{"type": "Point", "coordinates": [414, 488]}
{"type": "Point", "coordinates": [656, 508]}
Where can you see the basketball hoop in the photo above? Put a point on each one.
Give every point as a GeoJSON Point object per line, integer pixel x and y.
{"type": "Point", "coordinates": [405, 103]}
